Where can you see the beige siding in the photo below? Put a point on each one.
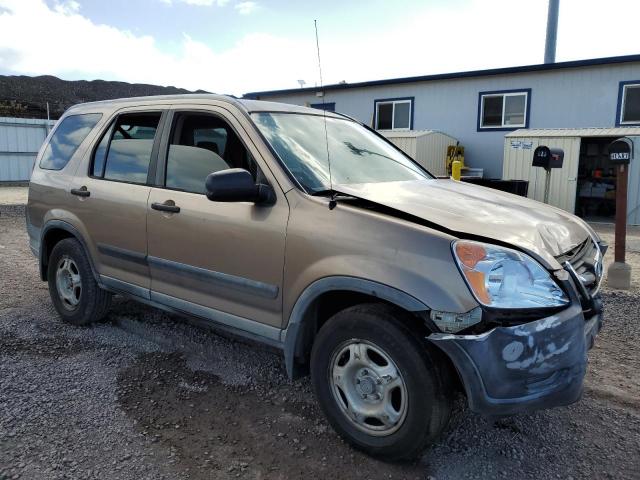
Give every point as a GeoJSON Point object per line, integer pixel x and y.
{"type": "Point", "coordinates": [517, 166]}
{"type": "Point", "coordinates": [432, 152]}
{"type": "Point", "coordinates": [406, 144]}
{"type": "Point", "coordinates": [428, 148]}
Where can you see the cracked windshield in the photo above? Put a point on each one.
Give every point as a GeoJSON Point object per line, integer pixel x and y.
{"type": "Point", "coordinates": [354, 154]}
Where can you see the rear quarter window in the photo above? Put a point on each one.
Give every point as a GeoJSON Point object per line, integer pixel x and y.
{"type": "Point", "coordinates": [66, 139]}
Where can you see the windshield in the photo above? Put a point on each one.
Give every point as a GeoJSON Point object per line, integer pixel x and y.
{"type": "Point", "coordinates": [356, 154]}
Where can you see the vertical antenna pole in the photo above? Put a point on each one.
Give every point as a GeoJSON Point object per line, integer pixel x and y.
{"type": "Point", "coordinates": [324, 110]}
{"type": "Point", "coordinates": [315, 25]}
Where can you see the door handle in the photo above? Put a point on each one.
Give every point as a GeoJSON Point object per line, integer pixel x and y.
{"type": "Point", "coordinates": [164, 207]}
{"type": "Point", "coordinates": [80, 192]}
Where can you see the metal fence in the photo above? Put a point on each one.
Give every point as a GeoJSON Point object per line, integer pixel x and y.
{"type": "Point", "coordinates": [20, 140]}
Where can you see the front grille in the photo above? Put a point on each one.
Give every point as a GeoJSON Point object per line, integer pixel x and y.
{"type": "Point", "coordinates": [586, 260]}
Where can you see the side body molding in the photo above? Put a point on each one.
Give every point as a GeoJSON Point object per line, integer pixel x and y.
{"type": "Point", "coordinates": [293, 337]}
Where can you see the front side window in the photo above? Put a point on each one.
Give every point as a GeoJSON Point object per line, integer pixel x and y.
{"type": "Point", "coordinates": [124, 153]}
{"type": "Point", "coordinates": [630, 104]}
{"type": "Point", "coordinates": [353, 154]}
{"type": "Point", "coordinates": [202, 144]}
{"type": "Point", "coordinates": [503, 110]}
{"type": "Point", "coordinates": [66, 139]}
{"type": "Point", "coordinates": [394, 114]}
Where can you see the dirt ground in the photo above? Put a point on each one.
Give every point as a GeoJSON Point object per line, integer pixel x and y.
{"type": "Point", "coordinates": [146, 395]}
{"type": "Point", "coordinates": [13, 195]}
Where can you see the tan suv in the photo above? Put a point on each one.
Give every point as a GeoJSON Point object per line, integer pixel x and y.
{"type": "Point", "coordinates": [310, 232]}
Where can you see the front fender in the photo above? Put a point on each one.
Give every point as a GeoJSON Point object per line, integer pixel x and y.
{"type": "Point", "coordinates": [292, 338]}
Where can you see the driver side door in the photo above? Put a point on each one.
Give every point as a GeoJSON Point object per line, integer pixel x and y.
{"type": "Point", "coordinates": [220, 261]}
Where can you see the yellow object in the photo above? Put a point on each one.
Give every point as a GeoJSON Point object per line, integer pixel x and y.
{"type": "Point", "coordinates": [454, 152]}
{"type": "Point", "coordinates": [456, 169]}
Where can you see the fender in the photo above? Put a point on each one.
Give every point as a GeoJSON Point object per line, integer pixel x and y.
{"type": "Point", "coordinates": [292, 338]}
{"type": "Point", "coordinates": [62, 225]}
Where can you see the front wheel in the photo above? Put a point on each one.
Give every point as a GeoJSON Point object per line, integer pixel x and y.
{"type": "Point", "coordinates": [381, 387]}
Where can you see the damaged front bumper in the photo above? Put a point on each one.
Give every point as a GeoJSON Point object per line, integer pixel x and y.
{"type": "Point", "coordinates": [516, 369]}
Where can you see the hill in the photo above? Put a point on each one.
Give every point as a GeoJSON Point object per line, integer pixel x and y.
{"type": "Point", "coordinates": [23, 96]}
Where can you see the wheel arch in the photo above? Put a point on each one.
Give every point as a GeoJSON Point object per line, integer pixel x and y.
{"type": "Point", "coordinates": [327, 296]}
{"type": "Point", "coordinates": [53, 232]}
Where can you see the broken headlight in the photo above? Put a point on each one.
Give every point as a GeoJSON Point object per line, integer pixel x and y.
{"type": "Point", "coordinates": [500, 277]}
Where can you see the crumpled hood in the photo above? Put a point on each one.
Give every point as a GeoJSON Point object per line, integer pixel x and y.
{"type": "Point", "coordinates": [543, 230]}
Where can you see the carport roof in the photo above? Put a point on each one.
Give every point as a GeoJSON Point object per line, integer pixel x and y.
{"type": "Point", "coordinates": [575, 132]}
{"type": "Point", "coordinates": [407, 133]}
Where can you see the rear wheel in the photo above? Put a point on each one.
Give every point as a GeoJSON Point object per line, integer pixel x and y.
{"type": "Point", "coordinates": [74, 292]}
{"type": "Point", "coordinates": [381, 387]}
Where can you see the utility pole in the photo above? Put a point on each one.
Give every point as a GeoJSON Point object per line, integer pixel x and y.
{"type": "Point", "coordinates": [552, 32]}
{"type": "Point", "coordinates": [48, 119]}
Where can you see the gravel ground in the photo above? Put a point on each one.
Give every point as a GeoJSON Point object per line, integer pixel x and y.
{"type": "Point", "coordinates": [13, 195]}
{"type": "Point", "coordinates": [146, 395]}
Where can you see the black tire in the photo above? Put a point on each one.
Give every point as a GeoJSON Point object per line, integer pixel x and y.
{"type": "Point", "coordinates": [424, 369]}
{"type": "Point", "coordinates": [93, 302]}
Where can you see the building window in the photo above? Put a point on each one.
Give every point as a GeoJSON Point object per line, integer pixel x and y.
{"type": "Point", "coordinates": [505, 110]}
{"type": "Point", "coordinates": [394, 114]}
{"type": "Point", "coordinates": [329, 107]}
{"type": "Point", "coordinates": [629, 103]}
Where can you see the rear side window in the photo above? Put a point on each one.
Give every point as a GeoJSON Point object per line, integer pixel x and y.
{"type": "Point", "coordinates": [66, 140]}
{"type": "Point", "coordinates": [124, 152]}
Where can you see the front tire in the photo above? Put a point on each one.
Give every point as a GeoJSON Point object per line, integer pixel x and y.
{"type": "Point", "coordinates": [75, 294]}
{"type": "Point", "coordinates": [381, 387]}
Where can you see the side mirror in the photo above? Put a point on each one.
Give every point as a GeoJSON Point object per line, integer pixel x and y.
{"type": "Point", "coordinates": [237, 185]}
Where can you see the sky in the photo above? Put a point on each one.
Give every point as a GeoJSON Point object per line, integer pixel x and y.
{"type": "Point", "coordinates": [239, 46]}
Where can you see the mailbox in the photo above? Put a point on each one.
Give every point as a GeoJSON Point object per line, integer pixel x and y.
{"type": "Point", "coordinates": [546, 157]}
{"type": "Point", "coordinates": [621, 151]}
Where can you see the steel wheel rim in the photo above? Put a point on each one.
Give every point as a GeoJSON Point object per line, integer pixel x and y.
{"type": "Point", "coordinates": [368, 387]}
{"type": "Point", "coordinates": [68, 283]}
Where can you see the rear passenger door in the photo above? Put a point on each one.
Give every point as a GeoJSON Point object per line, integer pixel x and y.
{"type": "Point", "coordinates": [112, 198]}
{"type": "Point", "coordinates": [222, 261]}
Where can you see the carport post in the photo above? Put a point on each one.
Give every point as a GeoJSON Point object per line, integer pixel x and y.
{"type": "Point", "coordinates": [620, 154]}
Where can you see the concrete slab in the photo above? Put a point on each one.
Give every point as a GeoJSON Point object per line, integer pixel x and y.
{"type": "Point", "coordinates": [13, 195]}
{"type": "Point", "coordinates": [606, 232]}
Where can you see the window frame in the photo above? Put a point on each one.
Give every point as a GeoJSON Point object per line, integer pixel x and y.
{"type": "Point", "coordinates": [59, 124]}
{"type": "Point", "coordinates": [504, 93]}
{"type": "Point", "coordinates": [153, 160]}
{"type": "Point", "coordinates": [393, 101]}
{"type": "Point", "coordinates": [160, 176]}
{"type": "Point", "coordinates": [622, 86]}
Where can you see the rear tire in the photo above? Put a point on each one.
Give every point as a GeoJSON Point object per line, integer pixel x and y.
{"type": "Point", "coordinates": [382, 388]}
{"type": "Point", "coordinates": [74, 291]}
